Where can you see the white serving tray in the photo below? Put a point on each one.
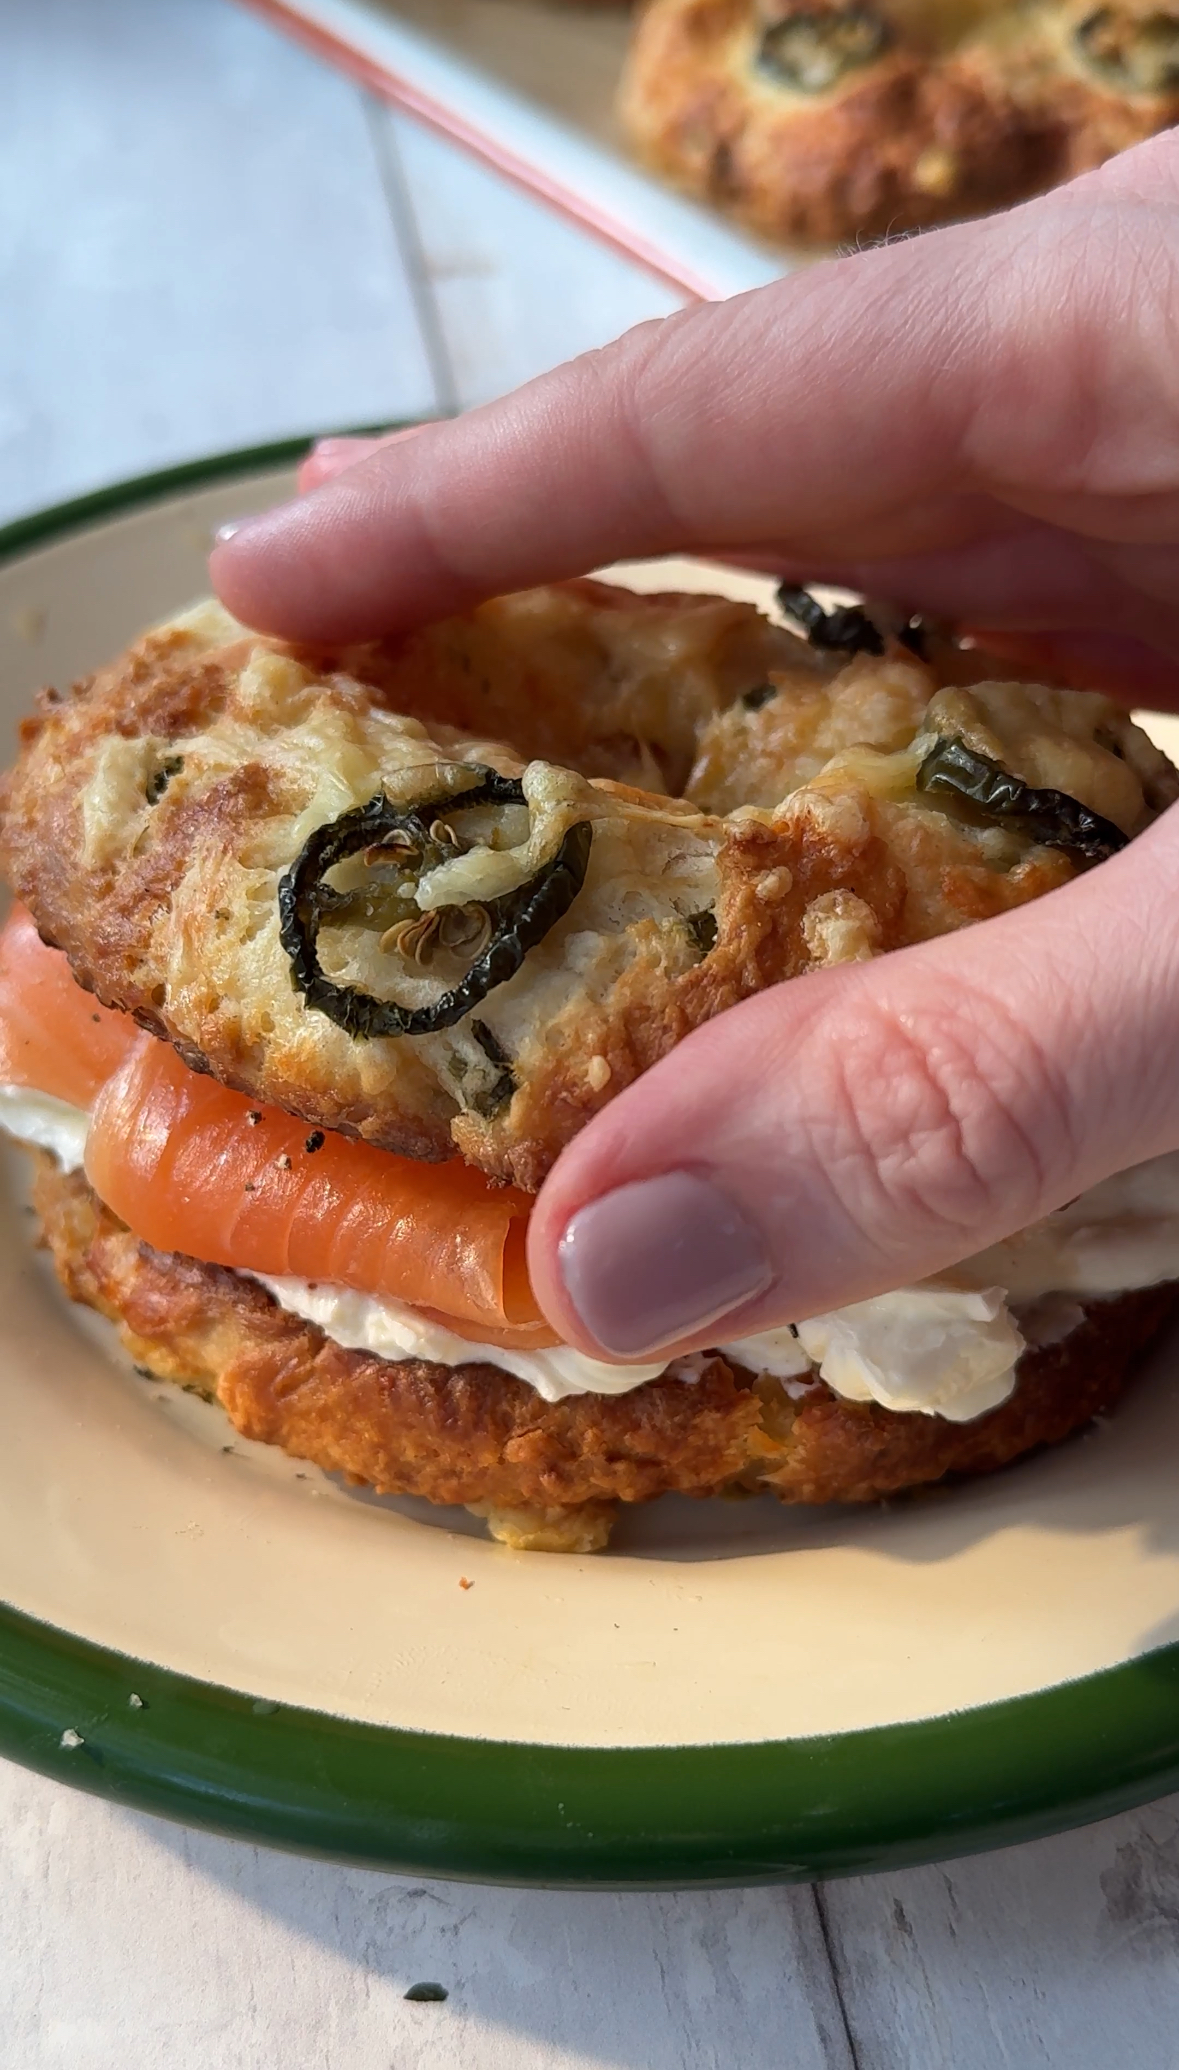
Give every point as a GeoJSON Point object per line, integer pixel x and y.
{"type": "Point", "coordinates": [529, 88]}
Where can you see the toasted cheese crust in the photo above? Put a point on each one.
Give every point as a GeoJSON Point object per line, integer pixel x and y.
{"type": "Point", "coordinates": [155, 811]}
{"type": "Point", "coordinates": [549, 1473]}
{"type": "Point", "coordinates": [828, 119]}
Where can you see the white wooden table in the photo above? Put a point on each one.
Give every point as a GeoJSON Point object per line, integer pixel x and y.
{"type": "Point", "coordinates": [207, 241]}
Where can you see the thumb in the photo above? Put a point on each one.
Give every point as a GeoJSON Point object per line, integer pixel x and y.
{"type": "Point", "coordinates": [859, 1129]}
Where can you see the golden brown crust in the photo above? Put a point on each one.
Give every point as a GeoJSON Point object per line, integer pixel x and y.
{"type": "Point", "coordinates": [958, 110]}
{"type": "Point", "coordinates": [858, 1452]}
{"type": "Point", "coordinates": [462, 1434]}
{"type": "Point", "coordinates": [473, 1435]}
{"type": "Point", "coordinates": [154, 812]}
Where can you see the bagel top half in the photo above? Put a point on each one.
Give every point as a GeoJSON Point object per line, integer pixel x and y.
{"type": "Point", "coordinates": [456, 892]}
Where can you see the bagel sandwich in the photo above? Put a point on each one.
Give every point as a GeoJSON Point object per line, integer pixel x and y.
{"type": "Point", "coordinates": [319, 959]}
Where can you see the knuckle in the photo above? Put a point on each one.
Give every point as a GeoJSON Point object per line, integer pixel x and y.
{"type": "Point", "coordinates": [949, 1117]}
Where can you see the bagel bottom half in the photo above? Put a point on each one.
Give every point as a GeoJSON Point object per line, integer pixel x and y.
{"type": "Point", "coordinates": [549, 1475]}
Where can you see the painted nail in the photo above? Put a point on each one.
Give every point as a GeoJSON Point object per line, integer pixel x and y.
{"type": "Point", "coordinates": [255, 521]}
{"type": "Point", "coordinates": [328, 447]}
{"type": "Point", "coordinates": [660, 1260]}
{"type": "Point", "coordinates": [229, 530]}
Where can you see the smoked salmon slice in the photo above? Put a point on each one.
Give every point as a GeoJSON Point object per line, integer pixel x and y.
{"type": "Point", "coordinates": [191, 1166]}
{"type": "Point", "coordinates": [53, 1035]}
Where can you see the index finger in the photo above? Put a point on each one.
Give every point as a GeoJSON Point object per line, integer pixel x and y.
{"type": "Point", "coordinates": [895, 404]}
{"type": "Point", "coordinates": [628, 452]}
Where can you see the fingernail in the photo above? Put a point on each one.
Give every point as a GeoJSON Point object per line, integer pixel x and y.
{"type": "Point", "coordinates": [326, 448]}
{"type": "Point", "coordinates": [658, 1261]}
{"type": "Point", "coordinates": [230, 529]}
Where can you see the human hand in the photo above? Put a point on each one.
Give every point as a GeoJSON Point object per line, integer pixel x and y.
{"type": "Point", "coordinates": [982, 423]}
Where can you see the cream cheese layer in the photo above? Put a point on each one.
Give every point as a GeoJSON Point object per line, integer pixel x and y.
{"type": "Point", "coordinates": [947, 1347]}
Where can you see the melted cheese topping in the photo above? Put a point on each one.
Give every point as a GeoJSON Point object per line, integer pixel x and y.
{"type": "Point", "coordinates": [947, 1347]}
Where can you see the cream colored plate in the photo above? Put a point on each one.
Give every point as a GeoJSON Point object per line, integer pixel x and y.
{"type": "Point", "coordinates": [126, 1521]}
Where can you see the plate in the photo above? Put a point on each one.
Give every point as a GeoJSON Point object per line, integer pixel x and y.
{"type": "Point", "coordinates": [734, 1693]}
{"type": "Point", "coordinates": [529, 88]}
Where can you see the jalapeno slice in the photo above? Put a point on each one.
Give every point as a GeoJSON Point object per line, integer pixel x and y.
{"type": "Point", "coordinates": [1130, 51]}
{"type": "Point", "coordinates": [1052, 818]}
{"type": "Point", "coordinates": [518, 920]}
{"type": "Point", "coordinates": [846, 630]}
{"type": "Point", "coordinates": [812, 48]}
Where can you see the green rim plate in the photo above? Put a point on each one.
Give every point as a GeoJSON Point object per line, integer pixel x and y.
{"type": "Point", "coordinates": [491, 1810]}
